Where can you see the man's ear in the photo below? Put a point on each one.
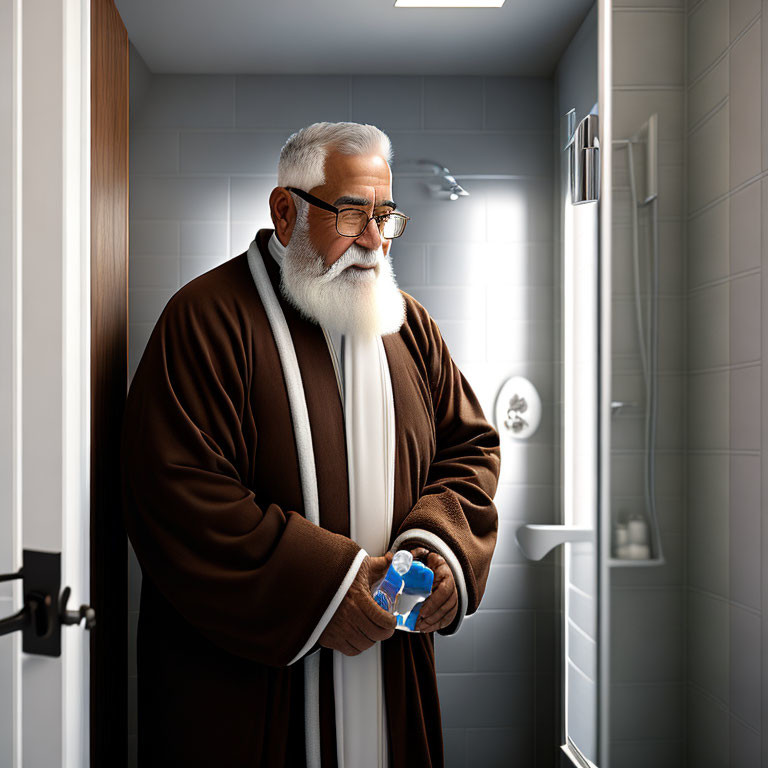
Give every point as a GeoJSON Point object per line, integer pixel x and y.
{"type": "Point", "coordinates": [283, 212]}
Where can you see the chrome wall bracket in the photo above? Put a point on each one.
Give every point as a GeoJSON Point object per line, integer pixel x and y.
{"type": "Point", "coordinates": [584, 158]}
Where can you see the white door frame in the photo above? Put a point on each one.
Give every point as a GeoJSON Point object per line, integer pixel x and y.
{"type": "Point", "coordinates": [48, 334]}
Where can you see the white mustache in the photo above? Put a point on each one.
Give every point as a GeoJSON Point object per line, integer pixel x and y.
{"type": "Point", "coordinates": [353, 256]}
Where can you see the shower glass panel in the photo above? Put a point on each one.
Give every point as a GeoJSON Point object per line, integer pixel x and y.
{"type": "Point", "coordinates": [579, 436]}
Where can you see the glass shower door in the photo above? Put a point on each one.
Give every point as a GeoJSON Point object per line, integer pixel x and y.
{"type": "Point", "coordinates": [580, 397]}
{"type": "Point", "coordinates": [580, 478]}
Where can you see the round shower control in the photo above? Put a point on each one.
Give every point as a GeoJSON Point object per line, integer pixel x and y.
{"type": "Point", "coordinates": [518, 408]}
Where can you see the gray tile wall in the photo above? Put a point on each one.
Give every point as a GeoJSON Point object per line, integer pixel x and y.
{"type": "Point", "coordinates": [203, 160]}
{"type": "Point", "coordinates": [726, 132]}
{"type": "Point", "coordinates": [647, 603]}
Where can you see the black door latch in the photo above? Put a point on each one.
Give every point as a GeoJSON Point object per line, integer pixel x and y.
{"type": "Point", "coordinates": [44, 610]}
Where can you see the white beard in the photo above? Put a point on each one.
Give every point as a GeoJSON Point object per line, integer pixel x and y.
{"type": "Point", "coordinates": [345, 300]}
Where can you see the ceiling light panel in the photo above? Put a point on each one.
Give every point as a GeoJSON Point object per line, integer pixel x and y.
{"type": "Point", "coordinates": [449, 3]}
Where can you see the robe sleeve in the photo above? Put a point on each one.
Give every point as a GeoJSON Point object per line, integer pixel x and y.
{"type": "Point", "coordinates": [455, 514]}
{"type": "Point", "coordinates": [260, 582]}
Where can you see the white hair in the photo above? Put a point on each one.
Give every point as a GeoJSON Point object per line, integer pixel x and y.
{"type": "Point", "coordinates": [302, 158]}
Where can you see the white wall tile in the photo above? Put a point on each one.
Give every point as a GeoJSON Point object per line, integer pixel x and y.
{"type": "Point", "coordinates": [708, 730]}
{"type": "Point", "coordinates": [456, 653]}
{"type": "Point", "coordinates": [708, 549]}
{"type": "Point", "coordinates": [744, 745]}
{"type": "Point", "coordinates": [459, 264]}
{"type": "Point", "coordinates": [744, 530]}
{"type": "Point", "coordinates": [744, 664]}
{"type": "Point", "coordinates": [705, 94]}
{"type": "Point", "coordinates": [745, 108]}
{"type": "Point", "coordinates": [742, 12]}
{"type": "Point", "coordinates": [746, 329]}
{"type": "Point", "coordinates": [745, 228]}
{"type": "Point", "coordinates": [708, 327]}
{"type": "Point", "coordinates": [443, 222]}
{"type": "Point", "coordinates": [708, 630]}
{"type": "Point", "coordinates": [653, 3]}
{"type": "Point", "coordinates": [153, 272]}
{"type": "Point", "coordinates": [534, 504]}
{"type": "Point", "coordinates": [708, 245]}
{"type": "Point", "coordinates": [708, 160]}
{"type": "Point", "coordinates": [231, 153]}
{"type": "Point", "coordinates": [745, 409]}
{"type": "Point", "coordinates": [653, 711]}
{"type": "Point", "coordinates": [242, 233]}
{"type": "Point", "coordinates": [179, 198]}
{"type": "Point", "coordinates": [526, 463]}
{"type": "Point", "coordinates": [146, 304]}
{"type": "Point", "coordinates": [633, 107]}
{"type": "Point", "coordinates": [453, 103]}
{"type": "Point", "coordinates": [388, 102]}
{"type": "Point", "coordinates": [530, 263]}
{"type": "Point", "coordinates": [709, 403]}
{"type": "Point", "coordinates": [672, 398]}
{"type": "Point", "coordinates": [465, 340]}
{"type": "Point", "coordinates": [204, 238]}
{"type": "Point", "coordinates": [492, 746]}
{"type": "Point", "coordinates": [452, 303]}
{"type": "Point", "coordinates": [192, 268]}
{"type": "Point", "coordinates": [154, 152]}
{"type": "Point", "coordinates": [290, 101]}
{"type": "Point", "coordinates": [650, 52]}
{"type": "Point", "coordinates": [707, 35]}
{"type": "Point", "coordinates": [764, 78]}
{"type": "Point", "coordinates": [520, 343]}
{"type": "Point", "coordinates": [188, 101]}
{"type": "Point", "coordinates": [670, 191]}
{"type": "Point", "coordinates": [154, 238]}
{"type": "Point", "coordinates": [409, 263]}
{"type": "Point", "coordinates": [477, 152]}
{"type": "Point", "coordinates": [486, 701]}
{"type": "Point", "coordinates": [518, 104]}
{"type": "Point", "coordinates": [249, 196]}
{"type": "Point", "coordinates": [639, 754]}
{"type": "Point", "coordinates": [454, 747]}
{"type": "Point", "coordinates": [519, 211]}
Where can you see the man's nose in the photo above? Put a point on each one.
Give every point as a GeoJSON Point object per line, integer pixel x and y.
{"type": "Point", "coordinates": [371, 237]}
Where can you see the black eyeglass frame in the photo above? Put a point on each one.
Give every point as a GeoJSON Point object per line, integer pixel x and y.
{"type": "Point", "coordinates": [316, 201]}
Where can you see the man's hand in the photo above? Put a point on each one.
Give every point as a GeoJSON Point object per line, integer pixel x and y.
{"type": "Point", "coordinates": [439, 609]}
{"type": "Point", "coordinates": [359, 622]}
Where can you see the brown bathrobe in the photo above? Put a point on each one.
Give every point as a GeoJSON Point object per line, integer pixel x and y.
{"type": "Point", "coordinates": [234, 577]}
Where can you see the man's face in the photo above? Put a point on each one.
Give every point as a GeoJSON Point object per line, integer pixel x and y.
{"type": "Point", "coordinates": [351, 181]}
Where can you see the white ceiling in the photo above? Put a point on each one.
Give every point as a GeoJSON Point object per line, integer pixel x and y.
{"type": "Point", "coordinates": [524, 37]}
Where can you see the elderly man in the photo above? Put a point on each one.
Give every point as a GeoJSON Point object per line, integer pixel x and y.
{"type": "Point", "coordinates": [295, 419]}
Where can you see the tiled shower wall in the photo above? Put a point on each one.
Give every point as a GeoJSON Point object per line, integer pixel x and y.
{"type": "Point", "coordinates": [647, 712]}
{"type": "Point", "coordinates": [727, 136]}
{"type": "Point", "coordinates": [203, 161]}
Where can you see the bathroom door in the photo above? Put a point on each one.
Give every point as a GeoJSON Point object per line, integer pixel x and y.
{"type": "Point", "coordinates": [44, 388]}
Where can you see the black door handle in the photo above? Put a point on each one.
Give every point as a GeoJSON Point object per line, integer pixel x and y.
{"type": "Point", "coordinates": [44, 613]}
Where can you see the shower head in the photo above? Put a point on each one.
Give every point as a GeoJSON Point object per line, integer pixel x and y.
{"type": "Point", "coordinates": [448, 185]}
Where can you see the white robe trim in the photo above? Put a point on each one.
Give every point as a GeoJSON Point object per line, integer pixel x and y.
{"type": "Point", "coordinates": [370, 430]}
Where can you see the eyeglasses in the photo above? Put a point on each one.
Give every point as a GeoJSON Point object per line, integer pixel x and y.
{"type": "Point", "coordinates": [351, 222]}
